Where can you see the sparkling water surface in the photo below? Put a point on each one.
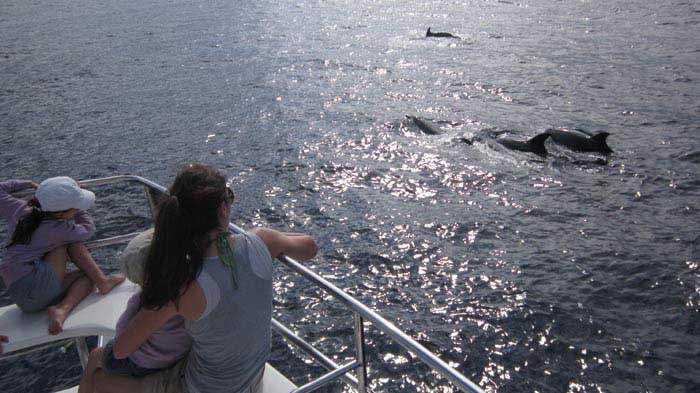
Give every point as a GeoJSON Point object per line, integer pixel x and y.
{"type": "Point", "coordinates": [573, 273]}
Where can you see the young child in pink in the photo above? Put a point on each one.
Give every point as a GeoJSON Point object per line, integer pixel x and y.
{"type": "Point", "coordinates": [46, 232]}
{"type": "Point", "coordinates": [163, 348]}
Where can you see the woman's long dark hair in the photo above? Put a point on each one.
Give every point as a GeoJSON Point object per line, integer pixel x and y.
{"type": "Point", "coordinates": [186, 217]}
{"type": "Point", "coordinates": [28, 223]}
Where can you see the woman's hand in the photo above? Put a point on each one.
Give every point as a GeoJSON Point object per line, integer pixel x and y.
{"type": "Point", "coordinates": [3, 339]}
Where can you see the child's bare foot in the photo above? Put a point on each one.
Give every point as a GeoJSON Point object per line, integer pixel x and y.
{"type": "Point", "coordinates": [110, 282]}
{"type": "Point", "coordinates": [57, 316]}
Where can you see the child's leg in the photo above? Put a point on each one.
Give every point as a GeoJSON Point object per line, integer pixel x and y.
{"type": "Point", "coordinates": [70, 278]}
{"type": "Point", "coordinates": [82, 258]}
{"type": "Point", "coordinates": [79, 289]}
{"type": "Point", "coordinates": [87, 382]}
{"type": "Point", "coordinates": [76, 285]}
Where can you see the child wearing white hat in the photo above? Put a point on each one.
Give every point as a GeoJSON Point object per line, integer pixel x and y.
{"type": "Point", "coordinates": [47, 231]}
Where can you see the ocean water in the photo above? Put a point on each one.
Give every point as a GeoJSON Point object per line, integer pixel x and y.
{"type": "Point", "coordinates": [571, 273]}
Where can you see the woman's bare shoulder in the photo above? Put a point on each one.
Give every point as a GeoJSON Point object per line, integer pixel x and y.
{"type": "Point", "coordinates": [192, 302]}
{"type": "Point", "coordinates": [260, 231]}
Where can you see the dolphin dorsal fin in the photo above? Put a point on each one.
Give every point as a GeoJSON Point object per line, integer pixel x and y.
{"type": "Point", "coordinates": [536, 143]}
{"type": "Point", "coordinates": [601, 136]}
{"type": "Point", "coordinates": [538, 140]}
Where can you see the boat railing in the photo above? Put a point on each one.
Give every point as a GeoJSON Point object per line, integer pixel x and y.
{"type": "Point", "coordinates": [361, 314]}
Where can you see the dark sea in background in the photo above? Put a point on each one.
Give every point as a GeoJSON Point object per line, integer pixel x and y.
{"type": "Point", "coordinates": [526, 274]}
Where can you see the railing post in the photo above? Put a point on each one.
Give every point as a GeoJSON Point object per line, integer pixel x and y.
{"type": "Point", "coordinates": [152, 199]}
{"type": "Point", "coordinates": [360, 353]}
{"type": "Point", "coordinates": [81, 346]}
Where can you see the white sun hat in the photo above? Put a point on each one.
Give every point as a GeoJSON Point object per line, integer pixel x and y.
{"type": "Point", "coordinates": [62, 193]}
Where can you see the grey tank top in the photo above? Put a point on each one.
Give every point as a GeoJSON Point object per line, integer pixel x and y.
{"type": "Point", "coordinates": [231, 340]}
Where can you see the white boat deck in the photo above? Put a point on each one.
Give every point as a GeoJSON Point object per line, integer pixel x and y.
{"type": "Point", "coordinates": [97, 315]}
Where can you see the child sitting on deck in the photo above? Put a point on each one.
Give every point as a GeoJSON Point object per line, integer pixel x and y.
{"type": "Point", "coordinates": [162, 349]}
{"type": "Point", "coordinates": [46, 232]}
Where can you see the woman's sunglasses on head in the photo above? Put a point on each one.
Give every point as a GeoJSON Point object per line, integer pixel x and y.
{"type": "Point", "coordinates": [230, 196]}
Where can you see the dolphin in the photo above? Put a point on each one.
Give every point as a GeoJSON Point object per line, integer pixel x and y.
{"type": "Point", "coordinates": [467, 140]}
{"type": "Point", "coordinates": [425, 126]}
{"type": "Point", "coordinates": [579, 140]}
{"type": "Point", "coordinates": [443, 35]}
{"type": "Point", "coordinates": [589, 133]}
{"type": "Point", "coordinates": [533, 145]}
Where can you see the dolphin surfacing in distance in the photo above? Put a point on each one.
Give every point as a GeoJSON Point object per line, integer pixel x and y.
{"type": "Point", "coordinates": [439, 35]}
{"type": "Point", "coordinates": [533, 145]}
{"type": "Point", "coordinates": [580, 140]}
{"type": "Point", "coordinates": [425, 126]}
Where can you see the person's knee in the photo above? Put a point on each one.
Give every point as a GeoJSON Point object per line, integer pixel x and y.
{"type": "Point", "coordinates": [95, 352]}
{"type": "Point", "coordinates": [95, 359]}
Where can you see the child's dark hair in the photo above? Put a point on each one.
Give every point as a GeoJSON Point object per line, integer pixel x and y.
{"type": "Point", "coordinates": [29, 223]}
{"type": "Point", "coordinates": [186, 216]}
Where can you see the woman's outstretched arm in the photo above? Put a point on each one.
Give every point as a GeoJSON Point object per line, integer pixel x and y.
{"type": "Point", "coordinates": [294, 245]}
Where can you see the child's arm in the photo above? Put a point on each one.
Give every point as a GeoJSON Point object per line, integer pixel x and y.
{"type": "Point", "coordinates": [191, 306]}
{"type": "Point", "coordinates": [140, 327]}
{"type": "Point", "coordinates": [82, 228]}
{"type": "Point", "coordinates": [9, 204]}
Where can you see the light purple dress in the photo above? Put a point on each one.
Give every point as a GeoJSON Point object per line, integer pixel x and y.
{"type": "Point", "coordinates": [164, 347]}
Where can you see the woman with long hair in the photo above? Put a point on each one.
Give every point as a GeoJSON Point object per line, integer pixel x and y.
{"type": "Point", "coordinates": [220, 283]}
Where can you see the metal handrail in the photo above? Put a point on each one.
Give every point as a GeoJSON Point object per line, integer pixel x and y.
{"type": "Point", "coordinates": [387, 327]}
{"type": "Point", "coordinates": [328, 378]}
{"type": "Point", "coordinates": [356, 306]}
{"type": "Point", "coordinates": [324, 360]}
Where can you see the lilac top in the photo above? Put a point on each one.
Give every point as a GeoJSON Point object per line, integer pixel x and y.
{"type": "Point", "coordinates": [50, 234]}
{"type": "Point", "coordinates": [164, 347]}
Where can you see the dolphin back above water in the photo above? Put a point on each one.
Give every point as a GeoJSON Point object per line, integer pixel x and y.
{"type": "Point", "coordinates": [425, 126]}
{"type": "Point", "coordinates": [579, 140]}
{"type": "Point", "coordinates": [533, 145]}
{"type": "Point", "coordinates": [441, 35]}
